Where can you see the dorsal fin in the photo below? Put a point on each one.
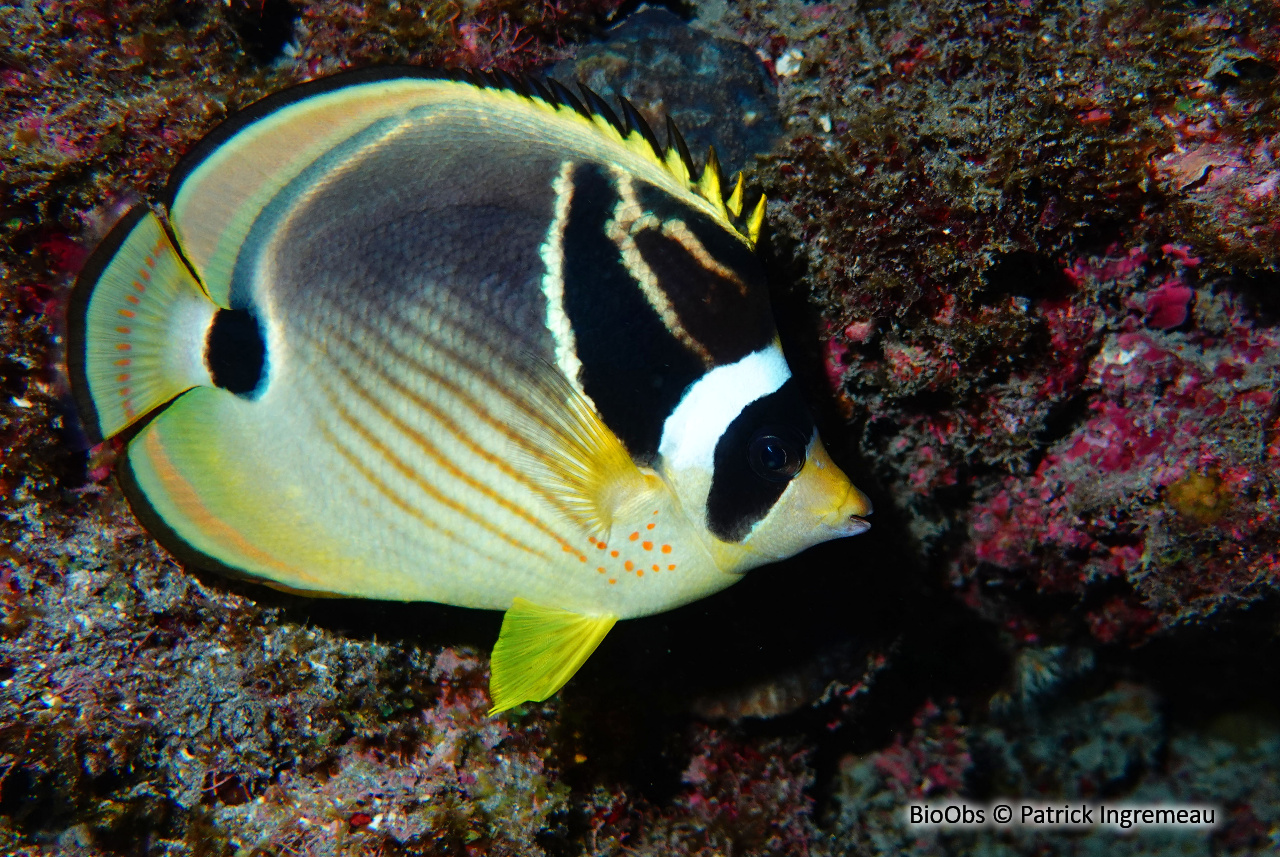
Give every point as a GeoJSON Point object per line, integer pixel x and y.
{"type": "Point", "coordinates": [219, 190]}
{"type": "Point", "coordinates": [756, 222]}
{"type": "Point", "coordinates": [734, 203]}
{"type": "Point", "coordinates": [708, 186]}
{"type": "Point", "coordinates": [564, 95]}
{"type": "Point", "coordinates": [601, 108]}
{"type": "Point", "coordinates": [677, 158]}
{"type": "Point", "coordinates": [540, 90]}
{"type": "Point", "coordinates": [635, 124]}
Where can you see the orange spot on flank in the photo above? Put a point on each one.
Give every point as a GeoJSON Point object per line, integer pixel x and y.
{"type": "Point", "coordinates": [634, 536]}
{"type": "Point", "coordinates": [592, 540]}
{"type": "Point", "coordinates": [150, 262]}
{"type": "Point", "coordinates": [647, 546]}
{"type": "Point", "coordinates": [600, 569]}
{"type": "Point", "coordinates": [655, 568]}
{"type": "Point", "coordinates": [133, 299]}
{"type": "Point", "coordinates": [650, 526]}
{"type": "Point", "coordinates": [613, 580]}
{"type": "Point", "coordinates": [146, 277]}
{"type": "Point", "coordinates": [601, 545]}
{"type": "Point", "coordinates": [566, 549]}
{"type": "Point", "coordinates": [123, 361]}
{"type": "Point", "coordinates": [655, 511]}
{"type": "Point", "coordinates": [120, 379]}
{"type": "Point", "coordinates": [139, 286]}
{"type": "Point", "coordinates": [628, 565]}
{"type": "Point", "coordinates": [581, 558]}
{"type": "Point", "coordinates": [671, 568]}
{"type": "Point", "coordinates": [125, 330]}
{"type": "Point", "coordinates": [127, 313]}
{"type": "Point", "coordinates": [613, 553]}
{"type": "Point", "coordinates": [123, 346]}
{"type": "Point", "coordinates": [640, 573]}
{"type": "Point", "coordinates": [666, 548]}
{"type": "Point", "coordinates": [124, 391]}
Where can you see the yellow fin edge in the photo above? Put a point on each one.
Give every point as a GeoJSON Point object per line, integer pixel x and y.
{"type": "Point", "coordinates": [538, 650]}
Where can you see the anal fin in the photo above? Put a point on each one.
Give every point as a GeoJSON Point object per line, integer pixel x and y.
{"type": "Point", "coordinates": [538, 650]}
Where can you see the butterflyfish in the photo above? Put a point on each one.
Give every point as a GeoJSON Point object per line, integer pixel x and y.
{"type": "Point", "coordinates": [404, 335]}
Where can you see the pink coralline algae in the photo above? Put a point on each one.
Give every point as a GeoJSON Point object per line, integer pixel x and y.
{"type": "Point", "coordinates": [928, 762]}
{"type": "Point", "coordinates": [1167, 304]}
{"type": "Point", "coordinates": [1167, 484]}
{"type": "Point", "coordinates": [739, 795]}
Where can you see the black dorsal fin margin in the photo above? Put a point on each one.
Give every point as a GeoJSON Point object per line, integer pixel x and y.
{"type": "Point", "coordinates": [676, 139]}
{"type": "Point", "coordinates": [713, 163]}
{"type": "Point", "coordinates": [246, 116]}
{"type": "Point", "coordinates": [548, 90]}
{"type": "Point", "coordinates": [634, 121]}
{"type": "Point", "coordinates": [564, 96]}
{"type": "Point", "coordinates": [519, 85]}
{"type": "Point", "coordinates": [539, 90]}
{"type": "Point", "coordinates": [601, 108]}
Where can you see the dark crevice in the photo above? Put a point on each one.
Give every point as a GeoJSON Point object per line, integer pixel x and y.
{"type": "Point", "coordinates": [264, 27]}
{"type": "Point", "coordinates": [1029, 275]}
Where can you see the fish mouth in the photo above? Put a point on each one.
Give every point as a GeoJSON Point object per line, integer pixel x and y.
{"type": "Point", "coordinates": [856, 525]}
{"type": "Point", "coordinates": [849, 518]}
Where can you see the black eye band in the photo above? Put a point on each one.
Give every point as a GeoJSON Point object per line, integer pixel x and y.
{"type": "Point", "coordinates": [776, 453]}
{"type": "Point", "coordinates": [757, 456]}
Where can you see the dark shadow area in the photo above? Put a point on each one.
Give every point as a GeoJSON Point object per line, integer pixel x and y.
{"type": "Point", "coordinates": [1026, 274]}
{"type": "Point", "coordinates": [1258, 290]}
{"type": "Point", "coordinates": [1203, 672]}
{"type": "Point", "coordinates": [263, 26]}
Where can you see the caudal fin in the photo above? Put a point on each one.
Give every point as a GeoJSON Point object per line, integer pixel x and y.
{"type": "Point", "coordinates": [136, 327]}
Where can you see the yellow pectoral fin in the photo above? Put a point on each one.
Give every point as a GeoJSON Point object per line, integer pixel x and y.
{"type": "Point", "coordinates": [577, 463]}
{"type": "Point", "coordinates": [538, 650]}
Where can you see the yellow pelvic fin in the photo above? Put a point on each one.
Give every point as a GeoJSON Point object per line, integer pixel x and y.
{"type": "Point", "coordinates": [577, 462]}
{"type": "Point", "coordinates": [136, 326]}
{"type": "Point", "coordinates": [538, 650]}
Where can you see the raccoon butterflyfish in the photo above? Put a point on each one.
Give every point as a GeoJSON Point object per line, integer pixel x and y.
{"type": "Point", "coordinates": [408, 336]}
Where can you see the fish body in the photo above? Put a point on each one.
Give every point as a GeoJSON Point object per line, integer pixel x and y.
{"type": "Point", "coordinates": [409, 337]}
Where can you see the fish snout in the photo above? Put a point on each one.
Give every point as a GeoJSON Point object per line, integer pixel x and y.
{"type": "Point", "coordinates": [849, 518]}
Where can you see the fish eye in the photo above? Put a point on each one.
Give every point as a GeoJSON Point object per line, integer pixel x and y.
{"type": "Point", "coordinates": [775, 455]}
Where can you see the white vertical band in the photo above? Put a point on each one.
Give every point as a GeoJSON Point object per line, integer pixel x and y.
{"type": "Point", "coordinates": [690, 434]}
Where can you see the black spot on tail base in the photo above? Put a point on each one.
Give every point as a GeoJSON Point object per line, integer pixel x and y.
{"type": "Point", "coordinates": [235, 351]}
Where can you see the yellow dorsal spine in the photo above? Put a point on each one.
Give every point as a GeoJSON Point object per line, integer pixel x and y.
{"type": "Point", "coordinates": [735, 198]}
{"type": "Point", "coordinates": [708, 186]}
{"type": "Point", "coordinates": [676, 165]}
{"type": "Point", "coordinates": [756, 222]}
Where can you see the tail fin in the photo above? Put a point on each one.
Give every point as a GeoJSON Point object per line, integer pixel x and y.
{"type": "Point", "coordinates": [136, 327]}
